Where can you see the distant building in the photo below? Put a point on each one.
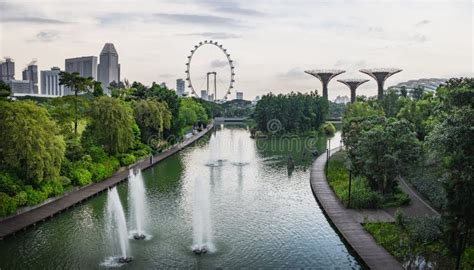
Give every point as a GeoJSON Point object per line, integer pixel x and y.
{"type": "Point", "coordinates": [239, 95]}
{"type": "Point", "coordinates": [180, 86]}
{"type": "Point", "coordinates": [50, 82]}
{"type": "Point", "coordinates": [20, 87]}
{"type": "Point", "coordinates": [86, 66]}
{"type": "Point", "coordinates": [7, 70]}
{"type": "Point", "coordinates": [211, 97]}
{"type": "Point", "coordinates": [31, 74]}
{"type": "Point", "coordinates": [109, 67]}
{"type": "Point", "coordinates": [204, 95]}
{"type": "Point", "coordinates": [342, 100]}
{"type": "Point", "coordinates": [430, 84]}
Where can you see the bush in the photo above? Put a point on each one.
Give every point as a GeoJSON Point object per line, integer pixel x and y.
{"type": "Point", "coordinates": [329, 129]}
{"type": "Point", "coordinates": [98, 171]}
{"type": "Point", "coordinates": [97, 154]}
{"type": "Point", "coordinates": [21, 198]}
{"type": "Point", "coordinates": [65, 181]}
{"type": "Point", "coordinates": [81, 177]}
{"type": "Point", "coordinates": [111, 165]}
{"type": "Point", "coordinates": [34, 196]}
{"type": "Point", "coordinates": [7, 205]}
{"type": "Point", "coordinates": [57, 188]}
{"type": "Point", "coordinates": [46, 188]}
{"type": "Point", "coordinates": [126, 159]}
{"type": "Point", "coordinates": [9, 184]}
{"type": "Point", "coordinates": [424, 229]}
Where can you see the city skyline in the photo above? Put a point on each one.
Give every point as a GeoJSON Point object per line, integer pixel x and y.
{"type": "Point", "coordinates": [154, 43]}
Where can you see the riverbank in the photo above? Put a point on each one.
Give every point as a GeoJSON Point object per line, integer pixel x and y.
{"type": "Point", "coordinates": [373, 255]}
{"type": "Point", "coordinates": [29, 218]}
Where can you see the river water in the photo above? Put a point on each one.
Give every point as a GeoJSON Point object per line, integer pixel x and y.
{"type": "Point", "coordinates": [263, 214]}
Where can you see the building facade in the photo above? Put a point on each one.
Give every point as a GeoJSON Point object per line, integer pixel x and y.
{"type": "Point", "coordinates": [50, 82]}
{"type": "Point", "coordinates": [109, 67]}
{"type": "Point", "coordinates": [7, 70]}
{"type": "Point", "coordinates": [20, 87]}
{"type": "Point", "coordinates": [204, 95]}
{"type": "Point", "coordinates": [180, 86]}
{"type": "Point", "coordinates": [31, 74]}
{"type": "Point", "coordinates": [86, 66]}
{"type": "Point", "coordinates": [239, 95]}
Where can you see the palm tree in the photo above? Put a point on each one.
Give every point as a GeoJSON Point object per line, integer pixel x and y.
{"type": "Point", "coordinates": [79, 85]}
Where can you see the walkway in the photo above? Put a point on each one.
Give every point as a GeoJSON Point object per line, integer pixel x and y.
{"type": "Point", "coordinates": [30, 218]}
{"type": "Point", "coordinates": [374, 256]}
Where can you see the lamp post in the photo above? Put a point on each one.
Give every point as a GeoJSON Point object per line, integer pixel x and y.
{"type": "Point", "coordinates": [350, 185]}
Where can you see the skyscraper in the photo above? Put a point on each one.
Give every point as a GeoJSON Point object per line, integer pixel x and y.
{"type": "Point", "coordinates": [7, 70]}
{"type": "Point", "coordinates": [86, 66]}
{"type": "Point", "coordinates": [31, 74]}
{"type": "Point", "coordinates": [109, 67]}
{"type": "Point", "coordinates": [50, 82]}
{"type": "Point", "coordinates": [180, 87]}
{"type": "Point", "coordinates": [239, 95]}
{"type": "Point", "coordinates": [204, 95]}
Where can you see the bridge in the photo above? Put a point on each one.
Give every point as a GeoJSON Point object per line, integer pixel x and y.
{"type": "Point", "coordinates": [220, 120]}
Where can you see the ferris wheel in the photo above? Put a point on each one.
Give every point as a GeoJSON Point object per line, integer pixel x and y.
{"type": "Point", "coordinates": [229, 86]}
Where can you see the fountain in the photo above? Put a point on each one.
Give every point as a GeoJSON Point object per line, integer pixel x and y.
{"type": "Point", "coordinates": [240, 154]}
{"type": "Point", "coordinates": [202, 225]}
{"type": "Point", "coordinates": [117, 227]}
{"type": "Point", "coordinates": [214, 153]}
{"type": "Point", "coordinates": [137, 204]}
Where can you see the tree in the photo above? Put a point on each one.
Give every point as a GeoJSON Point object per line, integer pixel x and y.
{"type": "Point", "coordinates": [5, 90]}
{"type": "Point", "coordinates": [111, 125]}
{"type": "Point", "coordinates": [152, 117]}
{"type": "Point", "coordinates": [386, 150]}
{"type": "Point", "coordinates": [191, 112]}
{"type": "Point", "coordinates": [417, 92]}
{"type": "Point", "coordinates": [79, 85]}
{"type": "Point", "coordinates": [98, 91]}
{"type": "Point", "coordinates": [30, 142]}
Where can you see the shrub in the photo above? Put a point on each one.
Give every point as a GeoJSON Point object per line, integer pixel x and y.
{"type": "Point", "coordinates": [329, 129]}
{"type": "Point", "coordinates": [65, 181]}
{"type": "Point", "coordinates": [9, 183]}
{"type": "Point", "coordinates": [126, 159]}
{"type": "Point", "coordinates": [424, 229]}
{"type": "Point", "coordinates": [7, 205]}
{"type": "Point", "coordinates": [81, 177]}
{"type": "Point", "coordinates": [46, 188]}
{"type": "Point", "coordinates": [111, 165]}
{"type": "Point", "coordinates": [97, 154]}
{"type": "Point", "coordinates": [400, 218]}
{"type": "Point", "coordinates": [21, 198]}
{"type": "Point", "coordinates": [34, 196]}
{"type": "Point", "coordinates": [57, 188]}
{"type": "Point", "coordinates": [98, 171]}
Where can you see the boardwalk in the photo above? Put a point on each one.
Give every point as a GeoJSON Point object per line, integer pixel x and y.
{"type": "Point", "coordinates": [374, 256]}
{"type": "Point", "coordinates": [30, 218]}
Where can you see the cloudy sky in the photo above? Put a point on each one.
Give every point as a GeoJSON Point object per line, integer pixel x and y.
{"type": "Point", "coordinates": [272, 41]}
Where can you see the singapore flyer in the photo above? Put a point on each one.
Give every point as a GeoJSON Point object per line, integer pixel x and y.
{"type": "Point", "coordinates": [210, 71]}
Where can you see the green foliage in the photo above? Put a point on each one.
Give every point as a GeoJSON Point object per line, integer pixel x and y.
{"type": "Point", "coordinates": [21, 198]}
{"type": "Point", "coordinates": [5, 90]}
{"type": "Point", "coordinates": [34, 196]}
{"type": "Point", "coordinates": [329, 129]}
{"type": "Point", "coordinates": [10, 184]}
{"type": "Point", "coordinates": [98, 171]}
{"type": "Point", "coordinates": [7, 205]}
{"type": "Point", "coordinates": [335, 110]}
{"type": "Point", "coordinates": [81, 176]}
{"type": "Point", "coordinates": [126, 159]}
{"type": "Point", "coordinates": [153, 117]}
{"type": "Point", "coordinates": [361, 195]}
{"type": "Point", "coordinates": [29, 141]}
{"type": "Point", "coordinates": [295, 112]}
{"type": "Point", "coordinates": [191, 112]}
{"type": "Point", "coordinates": [110, 125]}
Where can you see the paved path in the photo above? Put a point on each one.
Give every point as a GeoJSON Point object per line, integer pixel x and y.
{"type": "Point", "coordinates": [374, 256]}
{"type": "Point", "coordinates": [30, 218]}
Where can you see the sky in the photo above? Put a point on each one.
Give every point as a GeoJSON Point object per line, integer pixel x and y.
{"type": "Point", "coordinates": [271, 41]}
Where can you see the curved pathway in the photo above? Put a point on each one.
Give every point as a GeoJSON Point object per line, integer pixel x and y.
{"type": "Point", "coordinates": [374, 256]}
{"type": "Point", "coordinates": [41, 213]}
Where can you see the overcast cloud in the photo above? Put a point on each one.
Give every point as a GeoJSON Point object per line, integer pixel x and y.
{"type": "Point", "coordinates": [273, 41]}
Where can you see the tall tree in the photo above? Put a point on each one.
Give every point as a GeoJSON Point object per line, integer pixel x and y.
{"type": "Point", "coordinates": [79, 85]}
{"type": "Point", "coordinates": [30, 142]}
{"type": "Point", "coordinates": [152, 117]}
{"type": "Point", "coordinates": [111, 125]}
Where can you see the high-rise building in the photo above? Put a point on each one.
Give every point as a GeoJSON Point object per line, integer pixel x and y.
{"type": "Point", "coordinates": [180, 87]}
{"type": "Point", "coordinates": [204, 95]}
{"type": "Point", "coordinates": [109, 67]}
{"type": "Point", "coordinates": [210, 97]}
{"type": "Point", "coordinates": [31, 74]}
{"type": "Point", "coordinates": [50, 82]}
{"type": "Point", "coordinates": [239, 95]}
{"type": "Point", "coordinates": [7, 70]}
{"type": "Point", "coordinates": [86, 66]}
{"type": "Point", "coordinates": [20, 87]}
